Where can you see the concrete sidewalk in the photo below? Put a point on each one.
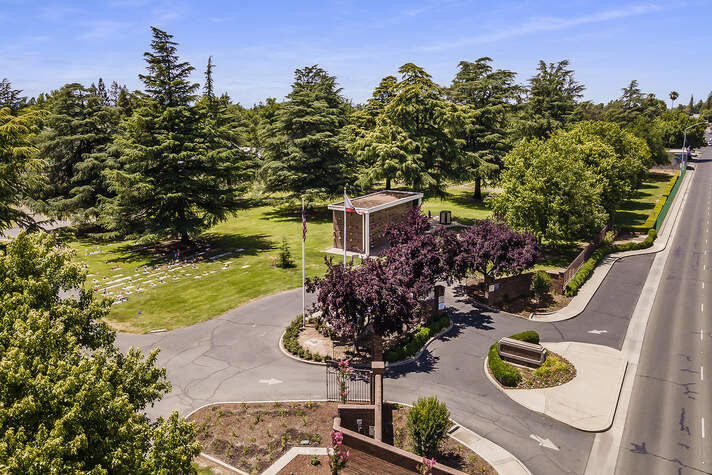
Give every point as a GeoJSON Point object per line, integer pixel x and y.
{"type": "Point", "coordinates": [580, 301]}
{"type": "Point", "coordinates": [500, 459]}
{"type": "Point", "coordinates": [587, 402]}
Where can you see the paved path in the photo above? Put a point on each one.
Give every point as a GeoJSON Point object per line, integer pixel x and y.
{"type": "Point", "coordinates": [669, 423]}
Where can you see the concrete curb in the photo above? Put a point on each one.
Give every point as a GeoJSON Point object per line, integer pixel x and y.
{"type": "Point", "coordinates": [222, 464]}
{"type": "Point", "coordinates": [387, 365]}
{"type": "Point", "coordinates": [501, 460]}
{"type": "Point", "coordinates": [589, 289]}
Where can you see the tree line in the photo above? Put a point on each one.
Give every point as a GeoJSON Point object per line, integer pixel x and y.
{"type": "Point", "coordinates": [174, 158]}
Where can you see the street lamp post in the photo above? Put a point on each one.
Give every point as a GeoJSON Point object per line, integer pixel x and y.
{"type": "Point", "coordinates": [684, 140]}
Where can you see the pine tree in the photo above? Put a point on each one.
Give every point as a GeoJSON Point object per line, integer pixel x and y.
{"type": "Point", "coordinates": [553, 93]}
{"type": "Point", "coordinates": [487, 99]}
{"type": "Point", "coordinates": [101, 93]}
{"type": "Point", "coordinates": [304, 153]}
{"type": "Point", "coordinates": [169, 183]}
{"type": "Point", "coordinates": [10, 97]}
{"type": "Point", "coordinates": [413, 140]}
{"type": "Point", "coordinates": [74, 143]}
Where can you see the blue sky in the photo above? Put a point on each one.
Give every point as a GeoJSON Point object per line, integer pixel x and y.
{"type": "Point", "coordinates": [257, 45]}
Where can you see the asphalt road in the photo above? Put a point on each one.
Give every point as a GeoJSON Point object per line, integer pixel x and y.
{"type": "Point", "coordinates": [236, 357]}
{"type": "Point", "coordinates": [669, 424]}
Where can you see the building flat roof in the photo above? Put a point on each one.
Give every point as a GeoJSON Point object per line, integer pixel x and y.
{"type": "Point", "coordinates": [379, 200]}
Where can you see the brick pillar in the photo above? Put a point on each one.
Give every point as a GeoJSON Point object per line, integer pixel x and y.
{"type": "Point", "coordinates": [378, 368]}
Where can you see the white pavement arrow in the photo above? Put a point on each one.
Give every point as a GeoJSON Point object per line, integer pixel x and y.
{"type": "Point", "coordinates": [598, 332]}
{"type": "Point", "coordinates": [270, 381]}
{"type": "Point", "coordinates": [544, 442]}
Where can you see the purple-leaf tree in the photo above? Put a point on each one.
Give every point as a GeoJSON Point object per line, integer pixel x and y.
{"type": "Point", "coordinates": [337, 296]}
{"type": "Point", "coordinates": [493, 249]}
{"type": "Point", "coordinates": [401, 232]}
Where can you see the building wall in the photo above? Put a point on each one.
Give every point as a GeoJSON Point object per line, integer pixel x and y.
{"type": "Point", "coordinates": [380, 220]}
{"type": "Point", "coordinates": [354, 231]}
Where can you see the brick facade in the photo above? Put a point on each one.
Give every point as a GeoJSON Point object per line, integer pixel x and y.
{"type": "Point", "coordinates": [378, 222]}
{"type": "Point", "coordinates": [354, 231]}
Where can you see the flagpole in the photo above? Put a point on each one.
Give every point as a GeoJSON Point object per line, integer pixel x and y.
{"type": "Point", "coordinates": [304, 305]}
{"type": "Point", "coordinates": [344, 227]}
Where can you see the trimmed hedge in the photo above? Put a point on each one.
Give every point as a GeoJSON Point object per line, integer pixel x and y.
{"type": "Point", "coordinates": [529, 336]}
{"type": "Point", "coordinates": [586, 270]}
{"type": "Point", "coordinates": [653, 216]}
{"type": "Point", "coordinates": [291, 341]}
{"type": "Point", "coordinates": [416, 341]}
{"type": "Point", "coordinates": [504, 372]}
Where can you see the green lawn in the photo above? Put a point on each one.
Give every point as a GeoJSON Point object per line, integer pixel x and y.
{"type": "Point", "coordinates": [250, 273]}
{"type": "Point", "coordinates": [637, 209]}
{"type": "Point", "coordinates": [465, 209]}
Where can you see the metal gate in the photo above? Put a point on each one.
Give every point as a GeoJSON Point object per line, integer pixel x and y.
{"type": "Point", "coordinates": [358, 384]}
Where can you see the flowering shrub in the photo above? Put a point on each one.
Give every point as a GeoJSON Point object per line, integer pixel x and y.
{"type": "Point", "coordinates": [345, 371]}
{"type": "Point", "coordinates": [337, 456]}
{"type": "Point", "coordinates": [426, 468]}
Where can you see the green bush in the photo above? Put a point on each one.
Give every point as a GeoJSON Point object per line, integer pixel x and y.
{"type": "Point", "coordinates": [530, 336]}
{"type": "Point", "coordinates": [587, 269]}
{"type": "Point", "coordinates": [541, 285]}
{"type": "Point", "coordinates": [428, 422]}
{"type": "Point", "coordinates": [415, 342]}
{"type": "Point", "coordinates": [551, 366]}
{"type": "Point", "coordinates": [503, 372]}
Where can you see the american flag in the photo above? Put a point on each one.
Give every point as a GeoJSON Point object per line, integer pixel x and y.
{"type": "Point", "coordinates": [304, 224]}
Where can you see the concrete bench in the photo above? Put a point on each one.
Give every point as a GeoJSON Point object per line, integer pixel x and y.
{"type": "Point", "coordinates": [521, 353]}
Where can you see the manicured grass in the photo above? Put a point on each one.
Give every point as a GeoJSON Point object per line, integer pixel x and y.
{"type": "Point", "coordinates": [636, 210]}
{"type": "Point", "coordinates": [251, 273]}
{"type": "Point", "coordinates": [465, 209]}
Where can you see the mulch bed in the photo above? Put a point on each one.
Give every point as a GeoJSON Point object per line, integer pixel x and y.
{"type": "Point", "coordinates": [453, 454]}
{"type": "Point", "coordinates": [531, 381]}
{"type": "Point", "coordinates": [252, 436]}
{"type": "Point", "coordinates": [523, 306]}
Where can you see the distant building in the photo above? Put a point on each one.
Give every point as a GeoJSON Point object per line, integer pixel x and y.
{"type": "Point", "coordinates": [365, 231]}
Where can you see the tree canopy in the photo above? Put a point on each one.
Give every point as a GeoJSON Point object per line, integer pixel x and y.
{"type": "Point", "coordinates": [70, 401]}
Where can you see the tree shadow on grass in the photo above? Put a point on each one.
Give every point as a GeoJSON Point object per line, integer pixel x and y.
{"type": "Point", "coordinates": [216, 247]}
{"type": "Point", "coordinates": [318, 215]}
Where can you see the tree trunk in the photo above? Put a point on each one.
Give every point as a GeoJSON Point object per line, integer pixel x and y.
{"type": "Point", "coordinates": [478, 187]}
{"type": "Point", "coordinates": [388, 183]}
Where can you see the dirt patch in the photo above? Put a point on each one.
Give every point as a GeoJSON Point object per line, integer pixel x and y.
{"type": "Point", "coordinates": [453, 454]}
{"type": "Point", "coordinates": [311, 339]}
{"type": "Point", "coordinates": [252, 436]}
{"type": "Point", "coordinates": [302, 465]}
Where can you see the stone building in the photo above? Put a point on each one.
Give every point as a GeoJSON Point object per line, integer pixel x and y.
{"type": "Point", "coordinates": [365, 231]}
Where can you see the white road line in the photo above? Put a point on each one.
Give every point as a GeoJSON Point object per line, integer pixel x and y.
{"type": "Point", "coordinates": [703, 285]}
{"type": "Point", "coordinates": [702, 307]}
{"type": "Point", "coordinates": [702, 373]}
{"type": "Point", "coordinates": [703, 427]}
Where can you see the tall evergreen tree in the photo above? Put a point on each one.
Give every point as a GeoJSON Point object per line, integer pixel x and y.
{"type": "Point", "coordinates": [553, 93]}
{"type": "Point", "coordinates": [18, 166]}
{"type": "Point", "coordinates": [10, 97]}
{"type": "Point", "coordinates": [413, 140]}
{"type": "Point", "coordinates": [304, 154]}
{"type": "Point", "coordinates": [487, 97]}
{"type": "Point", "coordinates": [168, 184]}
{"type": "Point", "coordinates": [101, 93]}
{"type": "Point", "coordinates": [74, 143]}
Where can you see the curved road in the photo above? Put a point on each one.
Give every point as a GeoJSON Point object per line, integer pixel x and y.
{"type": "Point", "coordinates": [236, 357]}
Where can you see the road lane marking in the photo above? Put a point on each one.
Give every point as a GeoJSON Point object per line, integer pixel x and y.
{"type": "Point", "coordinates": [702, 307]}
{"type": "Point", "coordinates": [548, 443]}
{"type": "Point", "coordinates": [703, 428]}
{"type": "Point", "coordinates": [597, 332]}
{"type": "Point", "coordinates": [703, 285]}
{"type": "Point", "coordinates": [702, 373]}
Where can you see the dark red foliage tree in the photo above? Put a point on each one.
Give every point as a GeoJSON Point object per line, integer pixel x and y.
{"type": "Point", "coordinates": [493, 249]}
{"type": "Point", "coordinates": [416, 224]}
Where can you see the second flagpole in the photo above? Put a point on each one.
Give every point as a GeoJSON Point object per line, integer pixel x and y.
{"type": "Point", "coordinates": [304, 305]}
{"type": "Point", "coordinates": [344, 227]}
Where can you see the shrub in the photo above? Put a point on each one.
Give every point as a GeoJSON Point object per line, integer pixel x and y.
{"type": "Point", "coordinates": [541, 284]}
{"type": "Point", "coordinates": [551, 366]}
{"type": "Point", "coordinates": [416, 341]}
{"type": "Point", "coordinates": [653, 216]}
{"type": "Point", "coordinates": [530, 336]}
{"type": "Point", "coordinates": [285, 256]}
{"type": "Point", "coordinates": [428, 421]}
{"type": "Point", "coordinates": [503, 372]}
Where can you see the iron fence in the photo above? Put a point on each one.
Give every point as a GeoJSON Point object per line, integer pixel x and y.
{"type": "Point", "coordinates": [357, 385]}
